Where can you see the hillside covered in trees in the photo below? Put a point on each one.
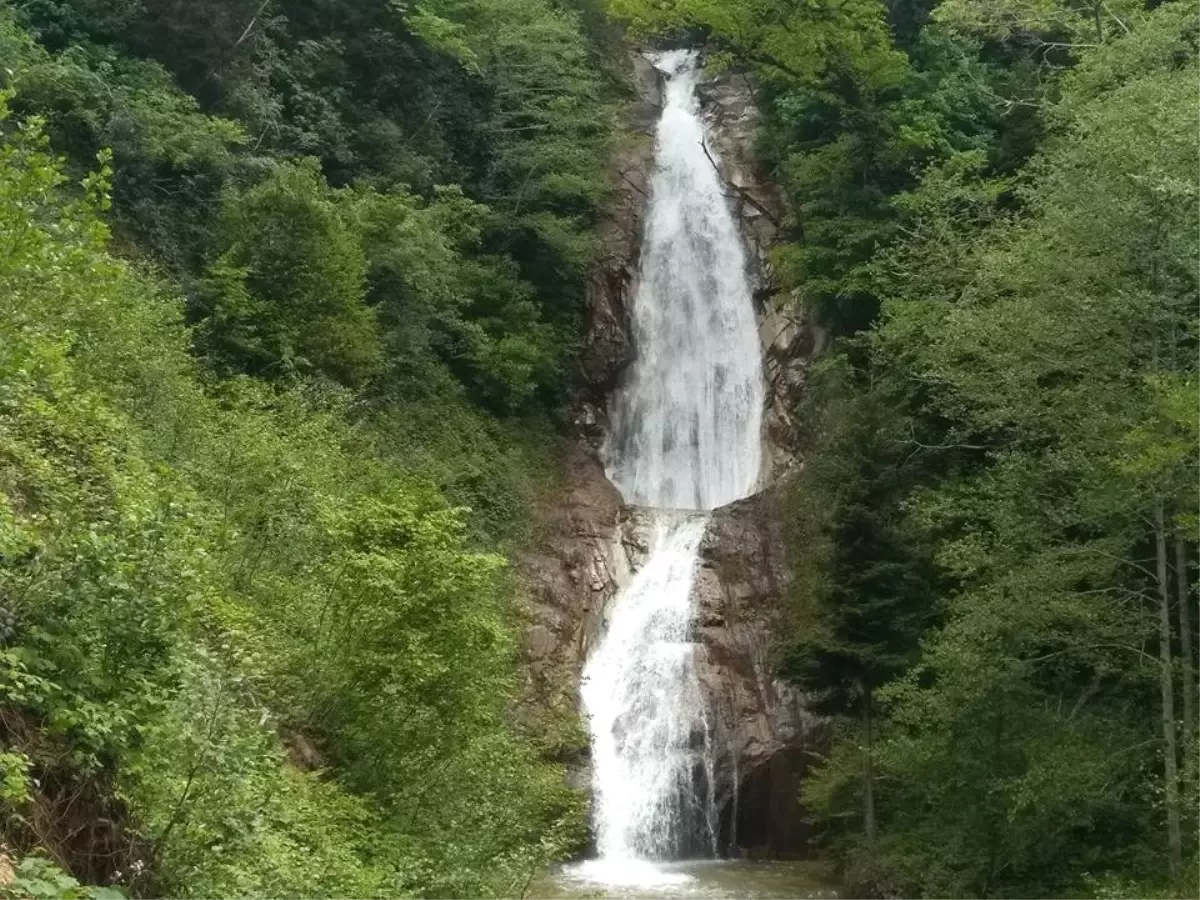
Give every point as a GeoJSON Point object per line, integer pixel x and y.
{"type": "Point", "coordinates": [290, 293]}
{"type": "Point", "coordinates": [993, 207]}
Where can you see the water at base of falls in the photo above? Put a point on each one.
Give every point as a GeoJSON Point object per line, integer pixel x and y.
{"type": "Point", "coordinates": [685, 439]}
{"type": "Point", "coordinates": [707, 879]}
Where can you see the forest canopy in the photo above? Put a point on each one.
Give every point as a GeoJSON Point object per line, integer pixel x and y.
{"type": "Point", "coordinates": [290, 295]}
{"type": "Point", "coordinates": [992, 206]}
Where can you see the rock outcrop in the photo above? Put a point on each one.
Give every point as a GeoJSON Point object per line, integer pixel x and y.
{"type": "Point", "coordinates": [607, 345]}
{"type": "Point", "coordinates": [763, 733]}
{"type": "Point", "coordinates": [570, 576]}
{"type": "Point", "coordinates": [590, 542]}
{"type": "Point", "coordinates": [577, 565]}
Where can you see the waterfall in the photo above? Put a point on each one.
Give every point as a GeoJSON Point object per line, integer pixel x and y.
{"type": "Point", "coordinates": [685, 439]}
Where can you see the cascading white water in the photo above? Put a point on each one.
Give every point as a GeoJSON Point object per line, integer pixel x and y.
{"type": "Point", "coordinates": [685, 439]}
{"type": "Point", "coordinates": [686, 425]}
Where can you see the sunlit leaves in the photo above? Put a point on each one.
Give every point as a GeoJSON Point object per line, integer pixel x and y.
{"type": "Point", "coordinates": [188, 569]}
{"type": "Point", "coordinates": [784, 40]}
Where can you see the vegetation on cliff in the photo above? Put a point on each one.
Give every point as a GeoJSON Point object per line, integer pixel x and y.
{"type": "Point", "coordinates": [289, 293]}
{"type": "Point", "coordinates": [993, 208]}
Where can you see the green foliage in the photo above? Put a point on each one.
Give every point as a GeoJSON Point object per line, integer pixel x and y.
{"type": "Point", "coordinates": [228, 815]}
{"type": "Point", "coordinates": [844, 155]}
{"type": "Point", "coordinates": [15, 789]}
{"type": "Point", "coordinates": [441, 34]}
{"type": "Point", "coordinates": [795, 42]}
{"type": "Point", "coordinates": [193, 567]}
{"type": "Point", "coordinates": [171, 159]}
{"type": "Point", "coordinates": [994, 449]}
{"type": "Point", "coordinates": [867, 582]}
{"type": "Point", "coordinates": [247, 622]}
{"type": "Point", "coordinates": [39, 879]}
{"type": "Point", "coordinates": [1043, 22]}
{"type": "Point", "coordinates": [289, 287]}
{"type": "Point", "coordinates": [395, 101]}
{"type": "Point", "coordinates": [444, 303]}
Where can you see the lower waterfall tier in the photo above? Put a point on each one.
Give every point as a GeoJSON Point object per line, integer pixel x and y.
{"type": "Point", "coordinates": [761, 730]}
{"type": "Point", "coordinates": [651, 745]}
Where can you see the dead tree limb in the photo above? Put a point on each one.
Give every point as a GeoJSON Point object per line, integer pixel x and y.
{"type": "Point", "coordinates": [741, 192]}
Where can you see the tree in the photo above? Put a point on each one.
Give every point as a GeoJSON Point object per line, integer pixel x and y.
{"type": "Point", "coordinates": [1031, 399]}
{"type": "Point", "coordinates": [169, 540]}
{"type": "Point", "coordinates": [865, 581]}
{"type": "Point", "coordinates": [784, 40]}
{"type": "Point", "coordinates": [1038, 353]}
{"type": "Point", "coordinates": [288, 292]}
{"type": "Point", "coordinates": [1052, 27]}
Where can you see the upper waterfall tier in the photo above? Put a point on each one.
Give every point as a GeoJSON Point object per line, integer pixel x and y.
{"type": "Point", "coordinates": [686, 423]}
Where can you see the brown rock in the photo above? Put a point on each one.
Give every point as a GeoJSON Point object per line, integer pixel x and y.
{"type": "Point", "coordinates": [608, 347]}
{"type": "Point", "coordinates": [762, 728]}
{"type": "Point", "coordinates": [559, 575]}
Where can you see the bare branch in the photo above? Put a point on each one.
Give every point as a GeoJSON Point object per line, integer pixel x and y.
{"type": "Point", "coordinates": [740, 191]}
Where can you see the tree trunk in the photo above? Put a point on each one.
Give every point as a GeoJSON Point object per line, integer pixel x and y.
{"type": "Point", "coordinates": [1185, 644]}
{"type": "Point", "coordinates": [1166, 680]}
{"type": "Point", "coordinates": [869, 824]}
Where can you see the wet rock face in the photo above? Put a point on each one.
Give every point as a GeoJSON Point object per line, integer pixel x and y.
{"type": "Point", "coordinates": [727, 103]}
{"type": "Point", "coordinates": [590, 543]}
{"type": "Point", "coordinates": [578, 565]}
{"type": "Point", "coordinates": [608, 346]}
{"type": "Point", "coordinates": [765, 820]}
{"type": "Point", "coordinates": [569, 579]}
{"type": "Point", "coordinates": [763, 731]}
{"type": "Point", "coordinates": [789, 340]}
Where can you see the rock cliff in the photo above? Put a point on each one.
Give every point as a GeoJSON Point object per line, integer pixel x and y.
{"type": "Point", "coordinates": [591, 542]}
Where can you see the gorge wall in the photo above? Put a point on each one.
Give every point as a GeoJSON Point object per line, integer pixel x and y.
{"type": "Point", "coordinates": [590, 542]}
